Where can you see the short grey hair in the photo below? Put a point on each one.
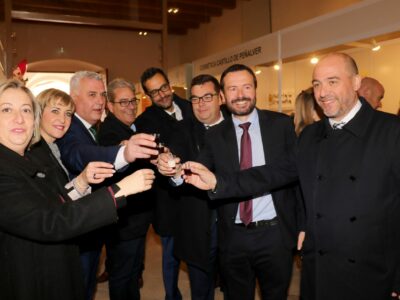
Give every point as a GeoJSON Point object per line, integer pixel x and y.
{"type": "Point", "coordinates": [118, 83]}
{"type": "Point", "coordinates": [75, 81]}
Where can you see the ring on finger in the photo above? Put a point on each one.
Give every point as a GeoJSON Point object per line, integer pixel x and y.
{"type": "Point", "coordinates": [94, 175]}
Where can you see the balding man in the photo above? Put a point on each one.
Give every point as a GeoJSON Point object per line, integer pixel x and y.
{"type": "Point", "coordinates": [372, 91]}
{"type": "Point", "coordinates": [349, 169]}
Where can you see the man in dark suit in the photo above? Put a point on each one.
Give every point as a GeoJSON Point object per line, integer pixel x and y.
{"type": "Point", "coordinates": [256, 236]}
{"type": "Point", "coordinates": [162, 117]}
{"type": "Point", "coordinates": [79, 146]}
{"type": "Point", "coordinates": [349, 169]}
{"type": "Point", "coordinates": [196, 228]}
{"type": "Point", "coordinates": [126, 240]}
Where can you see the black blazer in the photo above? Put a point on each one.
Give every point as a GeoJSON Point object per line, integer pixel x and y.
{"type": "Point", "coordinates": [196, 214]}
{"type": "Point", "coordinates": [37, 259]}
{"type": "Point", "coordinates": [135, 218]}
{"type": "Point", "coordinates": [350, 181]}
{"type": "Point", "coordinates": [156, 120]}
{"type": "Point", "coordinates": [221, 155]}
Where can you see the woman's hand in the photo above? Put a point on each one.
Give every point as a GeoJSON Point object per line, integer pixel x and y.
{"type": "Point", "coordinates": [137, 182]}
{"type": "Point", "coordinates": [95, 173]}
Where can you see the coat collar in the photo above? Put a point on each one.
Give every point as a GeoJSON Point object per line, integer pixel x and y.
{"type": "Point", "coordinates": [112, 118]}
{"type": "Point", "coordinates": [358, 126]}
{"type": "Point", "coordinates": [17, 162]}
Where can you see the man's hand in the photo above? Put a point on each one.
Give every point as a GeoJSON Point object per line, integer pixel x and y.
{"type": "Point", "coordinates": [198, 175]}
{"type": "Point", "coordinates": [168, 164]}
{"type": "Point", "coordinates": [395, 295]}
{"type": "Point", "coordinates": [140, 145]}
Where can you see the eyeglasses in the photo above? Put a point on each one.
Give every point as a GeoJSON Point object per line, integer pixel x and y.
{"type": "Point", "coordinates": [205, 98]}
{"type": "Point", "coordinates": [127, 102]}
{"type": "Point", "coordinates": [164, 88]}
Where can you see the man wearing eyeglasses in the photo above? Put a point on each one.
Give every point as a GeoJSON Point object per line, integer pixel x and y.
{"type": "Point", "coordinates": [196, 230]}
{"type": "Point", "coordinates": [125, 242]}
{"type": "Point", "coordinates": [162, 117]}
{"type": "Point", "coordinates": [79, 146]}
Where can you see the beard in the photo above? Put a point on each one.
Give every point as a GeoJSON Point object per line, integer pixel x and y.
{"type": "Point", "coordinates": [240, 112]}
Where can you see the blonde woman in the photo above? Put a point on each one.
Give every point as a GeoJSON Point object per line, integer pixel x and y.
{"type": "Point", "coordinates": [37, 220]}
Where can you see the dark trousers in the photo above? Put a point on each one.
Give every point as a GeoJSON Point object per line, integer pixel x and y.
{"type": "Point", "coordinates": [90, 262]}
{"type": "Point", "coordinates": [170, 268]}
{"type": "Point", "coordinates": [202, 282]}
{"type": "Point", "coordinates": [257, 253]}
{"type": "Point", "coordinates": [124, 266]}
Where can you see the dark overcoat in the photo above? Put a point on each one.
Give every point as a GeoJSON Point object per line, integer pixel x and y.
{"type": "Point", "coordinates": [155, 120]}
{"type": "Point", "coordinates": [350, 180]}
{"type": "Point", "coordinates": [37, 258]}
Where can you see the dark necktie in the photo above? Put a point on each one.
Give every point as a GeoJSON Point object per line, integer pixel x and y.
{"type": "Point", "coordinates": [173, 115]}
{"type": "Point", "coordinates": [245, 207]}
{"type": "Point", "coordinates": [93, 130]}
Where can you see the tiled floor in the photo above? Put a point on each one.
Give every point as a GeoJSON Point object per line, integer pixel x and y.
{"type": "Point", "coordinates": [153, 288]}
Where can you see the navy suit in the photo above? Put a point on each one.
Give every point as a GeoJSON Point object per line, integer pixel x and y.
{"type": "Point", "coordinates": [77, 149]}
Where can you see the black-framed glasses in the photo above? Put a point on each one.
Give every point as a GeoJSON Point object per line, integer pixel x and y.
{"type": "Point", "coordinates": [206, 98]}
{"type": "Point", "coordinates": [127, 102]}
{"type": "Point", "coordinates": [164, 88]}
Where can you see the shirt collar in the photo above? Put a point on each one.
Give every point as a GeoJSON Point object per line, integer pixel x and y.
{"type": "Point", "coordinates": [253, 118]}
{"type": "Point", "coordinates": [350, 115]}
{"type": "Point", "coordinates": [85, 123]}
{"type": "Point", "coordinates": [221, 118]}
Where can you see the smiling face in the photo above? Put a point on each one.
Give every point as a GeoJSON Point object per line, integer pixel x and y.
{"type": "Point", "coordinates": [126, 114]}
{"type": "Point", "coordinates": [206, 112]}
{"type": "Point", "coordinates": [16, 120]}
{"type": "Point", "coordinates": [90, 99]}
{"type": "Point", "coordinates": [159, 91]}
{"type": "Point", "coordinates": [239, 93]}
{"type": "Point", "coordinates": [55, 121]}
{"type": "Point", "coordinates": [335, 85]}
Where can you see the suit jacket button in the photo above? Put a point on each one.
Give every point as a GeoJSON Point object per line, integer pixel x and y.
{"type": "Point", "coordinates": [352, 219]}
{"type": "Point", "coordinates": [320, 177]}
{"type": "Point", "coordinates": [351, 260]}
{"type": "Point", "coordinates": [352, 178]}
{"type": "Point", "coordinates": [321, 252]}
{"type": "Point", "coordinates": [318, 216]}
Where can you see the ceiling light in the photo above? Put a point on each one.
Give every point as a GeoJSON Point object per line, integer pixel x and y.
{"type": "Point", "coordinates": [276, 67]}
{"type": "Point", "coordinates": [173, 10]}
{"type": "Point", "coordinates": [143, 33]}
{"type": "Point", "coordinates": [314, 60]}
{"type": "Point", "coordinates": [376, 48]}
{"type": "Point", "coordinates": [258, 72]}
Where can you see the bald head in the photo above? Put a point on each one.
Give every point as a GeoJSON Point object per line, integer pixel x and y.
{"type": "Point", "coordinates": [372, 90]}
{"type": "Point", "coordinates": [335, 82]}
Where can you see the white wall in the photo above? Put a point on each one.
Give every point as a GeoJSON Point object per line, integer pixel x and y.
{"type": "Point", "coordinates": [383, 65]}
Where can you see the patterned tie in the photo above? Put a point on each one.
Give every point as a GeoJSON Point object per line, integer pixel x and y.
{"type": "Point", "coordinates": [338, 125]}
{"type": "Point", "coordinates": [93, 131]}
{"type": "Point", "coordinates": [245, 207]}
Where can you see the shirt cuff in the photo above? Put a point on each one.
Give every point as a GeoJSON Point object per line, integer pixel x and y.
{"type": "Point", "coordinates": [120, 161]}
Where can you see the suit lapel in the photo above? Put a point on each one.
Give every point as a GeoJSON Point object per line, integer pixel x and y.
{"type": "Point", "coordinates": [83, 129]}
{"type": "Point", "coordinates": [267, 135]}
